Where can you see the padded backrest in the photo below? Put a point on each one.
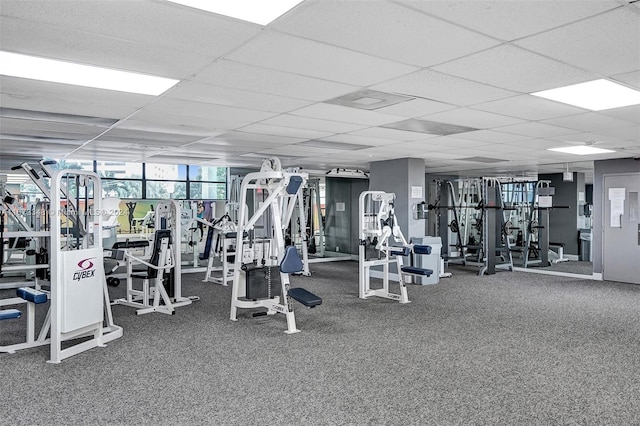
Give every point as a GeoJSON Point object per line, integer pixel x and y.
{"type": "Point", "coordinates": [157, 249]}
{"type": "Point", "coordinates": [291, 262]}
{"type": "Point", "coordinates": [294, 184]}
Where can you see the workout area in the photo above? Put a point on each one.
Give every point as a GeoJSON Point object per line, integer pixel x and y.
{"type": "Point", "coordinates": [377, 212]}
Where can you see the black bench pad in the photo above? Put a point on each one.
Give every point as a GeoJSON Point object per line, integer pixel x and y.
{"type": "Point", "coordinates": [416, 271]}
{"type": "Point", "coordinates": [305, 297]}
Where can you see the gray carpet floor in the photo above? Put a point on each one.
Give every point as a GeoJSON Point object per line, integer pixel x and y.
{"type": "Point", "coordinates": [506, 349]}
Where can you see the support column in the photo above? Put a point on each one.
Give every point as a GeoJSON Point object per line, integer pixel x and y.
{"type": "Point", "coordinates": [405, 178]}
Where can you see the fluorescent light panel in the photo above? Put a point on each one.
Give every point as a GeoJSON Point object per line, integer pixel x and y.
{"type": "Point", "coordinates": [595, 95]}
{"type": "Point", "coordinates": [260, 12]}
{"type": "Point", "coordinates": [24, 66]}
{"type": "Point", "coordinates": [581, 150]}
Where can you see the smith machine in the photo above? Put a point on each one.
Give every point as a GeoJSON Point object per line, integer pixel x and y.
{"type": "Point", "coordinates": [470, 220]}
{"type": "Point", "coordinates": [529, 204]}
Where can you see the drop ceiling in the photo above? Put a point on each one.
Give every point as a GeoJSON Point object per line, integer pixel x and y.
{"type": "Point", "coordinates": [329, 84]}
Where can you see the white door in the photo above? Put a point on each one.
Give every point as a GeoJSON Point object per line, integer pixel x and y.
{"type": "Point", "coordinates": [621, 236]}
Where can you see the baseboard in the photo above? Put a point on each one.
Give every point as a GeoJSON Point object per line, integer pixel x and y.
{"type": "Point", "coordinates": [598, 276]}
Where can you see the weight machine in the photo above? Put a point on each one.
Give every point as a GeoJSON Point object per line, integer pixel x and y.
{"type": "Point", "coordinates": [377, 225]}
{"type": "Point", "coordinates": [162, 281]}
{"type": "Point", "coordinates": [529, 204]}
{"type": "Point", "coordinates": [261, 260]}
{"type": "Point", "coordinates": [220, 244]}
{"type": "Point", "coordinates": [79, 295]}
{"type": "Point", "coordinates": [478, 225]}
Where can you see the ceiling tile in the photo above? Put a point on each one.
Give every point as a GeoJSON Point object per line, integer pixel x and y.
{"type": "Point", "coordinates": [536, 130]}
{"type": "Point", "coordinates": [27, 88]}
{"type": "Point", "coordinates": [296, 55]}
{"type": "Point", "coordinates": [491, 136]}
{"type": "Point", "coordinates": [591, 121]}
{"type": "Point", "coordinates": [255, 79]}
{"type": "Point", "coordinates": [198, 92]}
{"type": "Point", "coordinates": [416, 108]}
{"type": "Point", "coordinates": [346, 115]}
{"type": "Point", "coordinates": [364, 27]}
{"type": "Point", "coordinates": [391, 134]}
{"type": "Point", "coordinates": [529, 107]}
{"type": "Point", "coordinates": [163, 127]}
{"type": "Point", "coordinates": [201, 109]}
{"type": "Point", "coordinates": [630, 78]}
{"type": "Point", "coordinates": [37, 127]}
{"type": "Point", "coordinates": [182, 28]}
{"type": "Point", "coordinates": [63, 106]}
{"type": "Point", "coordinates": [57, 42]}
{"type": "Point", "coordinates": [284, 131]}
{"type": "Point", "coordinates": [630, 113]}
{"type": "Point", "coordinates": [443, 88]}
{"type": "Point", "coordinates": [428, 127]}
{"type": "Point", "coordinates": [358, 139]}
{"type": "Point", "coordinates": [159, 117]}
{"type": "Point", "coordinates": [252, 139]}
{"type": "Point", "coordinates": [516, 69]}
{"type": "Point", "coordinates": [299, 122]}
{"type": "Point", "coordinates": [509, 20]}
{"type": "Point", "coordinates": [606, 44]}
{"type": "Point", "coordinates": [472, 118]}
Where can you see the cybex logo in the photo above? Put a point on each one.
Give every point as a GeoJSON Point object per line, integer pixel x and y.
{"type": "Point", "coordinates": [86, 269]}
{"type": "Point", "coordinates": [85, 264]}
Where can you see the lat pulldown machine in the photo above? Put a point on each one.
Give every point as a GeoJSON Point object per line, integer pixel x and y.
{"type": "Point", "coordinates": [261, 260]}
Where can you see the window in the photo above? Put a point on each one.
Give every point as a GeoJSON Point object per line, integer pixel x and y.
{"type": "Point", "coordinates": [166, 189]}
{"type": "Point", "coordinates": [119, 170]}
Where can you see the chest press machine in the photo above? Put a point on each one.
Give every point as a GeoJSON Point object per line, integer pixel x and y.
{"type": "Point", "coordinates": [377, 225]}
{"type": "Point", "coordinates": [162, 280]}
{"type": "Point", "coordinates": [259, 262]}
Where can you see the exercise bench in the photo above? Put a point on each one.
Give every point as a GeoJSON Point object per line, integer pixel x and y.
{"type": "Point", "coordinates": [291, 264]}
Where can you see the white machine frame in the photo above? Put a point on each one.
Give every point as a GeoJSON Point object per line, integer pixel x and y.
{"type": "Point", "coordinates": [381, 225]}
{"type": "Point", "coordinates": [147, 300]}
{"type": "Point", "coordinates": [78, 309]}
{"type": "Point", "coordinates": [274, 182]}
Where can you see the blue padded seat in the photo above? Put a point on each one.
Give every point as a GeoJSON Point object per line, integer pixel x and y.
{"type": "Point", "coordinates": [9, 314]}
{"type": "Point", "coordinates": [418, 249]}
{"type": "Point", "coordinates": [416, 271]}
{"type": "Point", "coordinates": [32, 295]}
{"type": "Point", "coordinates": [305, 297]}
{"type": "Point", "coordinates": [291, 262]}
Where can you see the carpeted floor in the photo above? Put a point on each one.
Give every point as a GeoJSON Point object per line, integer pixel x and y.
{"type": "Point", "coordinates": [511, 348]}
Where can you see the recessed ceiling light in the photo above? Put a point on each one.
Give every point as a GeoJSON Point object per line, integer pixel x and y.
{"type": "Point", "coordinates": [367, 101]}
{"type": "Point", "coordinates": [595, 95]}
{"type": "Point", "coordinates": [24, 66]}
{"type": "Point", "coordinates": [581, 150]}
{"type": "Point", "coordinates": [257, 11]}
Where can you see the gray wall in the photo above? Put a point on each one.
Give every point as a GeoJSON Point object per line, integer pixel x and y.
{"type": "Point", "coordinates": [601, 168]}
{"type": "Point", "coordinates": [341, 227]}
{"type": "Point", "coordinates": [563, 223]}
{"type": "Point", "coordinates": [399, 176]}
